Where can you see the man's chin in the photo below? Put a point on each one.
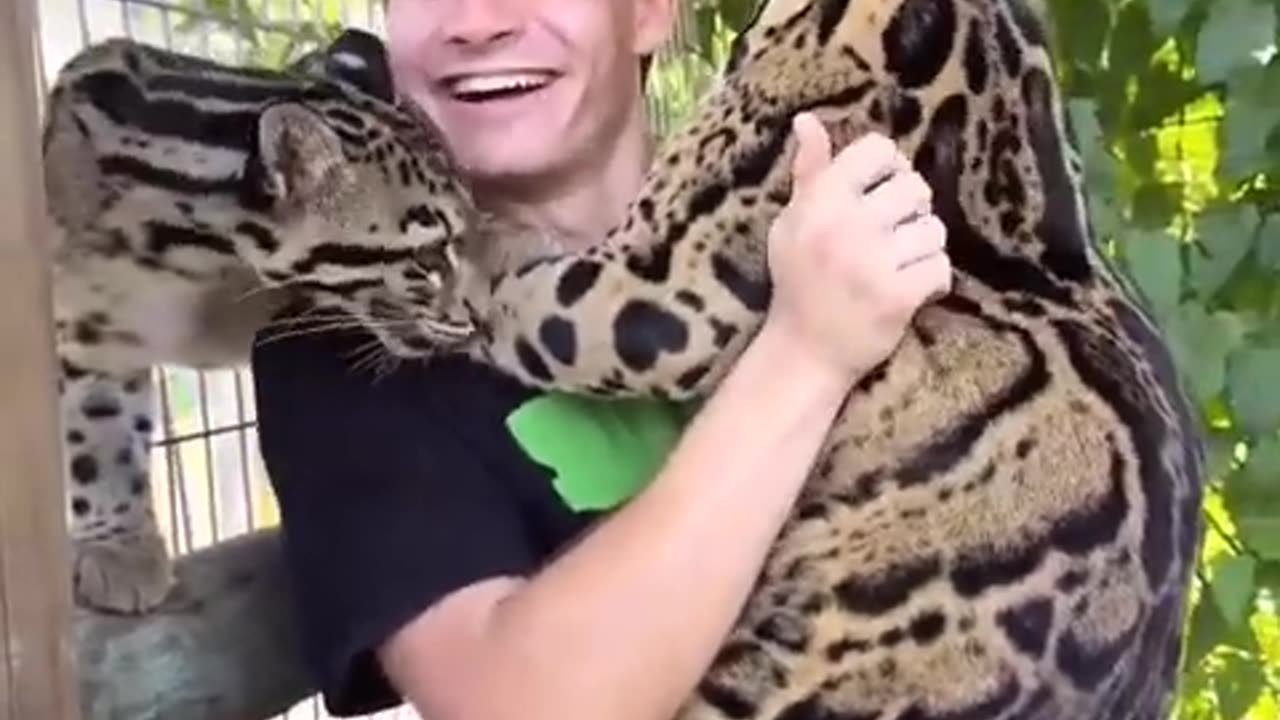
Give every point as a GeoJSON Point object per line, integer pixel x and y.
{"type": "Point", "coordinates": [512, 171]}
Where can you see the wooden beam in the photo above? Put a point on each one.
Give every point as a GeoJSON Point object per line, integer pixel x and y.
{"type": "Point", "coordinates": [37, 671]}
{"type": "Point", "coordinates": [223, 647]}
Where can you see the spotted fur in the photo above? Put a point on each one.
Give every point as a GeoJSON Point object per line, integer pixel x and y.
{"type": "Point", "coordinates": [189, 201]}
{"type": "Point", "coordinates": [1002, 521]}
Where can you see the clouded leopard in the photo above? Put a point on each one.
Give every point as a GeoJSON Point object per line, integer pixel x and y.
{"type": "Point", "coordinates": [1003, 518]}
{"type": "Point", "coordinates": [188, 201]}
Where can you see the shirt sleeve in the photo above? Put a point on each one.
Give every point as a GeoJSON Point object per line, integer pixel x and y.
{"type": "Point", "coordinates": [383, 510]}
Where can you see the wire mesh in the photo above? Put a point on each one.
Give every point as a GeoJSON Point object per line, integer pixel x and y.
{"type": "Point", "coordinates": [208, 477]}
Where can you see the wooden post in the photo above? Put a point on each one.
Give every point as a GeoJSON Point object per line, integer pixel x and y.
{"type": "Point", "coordinates": [37, 668]}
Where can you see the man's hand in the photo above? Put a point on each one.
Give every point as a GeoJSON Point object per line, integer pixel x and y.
{"type": "Point", "coordinates": [856, 251]}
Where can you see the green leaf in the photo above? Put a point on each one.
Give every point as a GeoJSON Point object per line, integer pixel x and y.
{"type": "Point", "coordinates": [1132, 43]}
{"type": "Point", "coordinates": [1081, 28]}
{"type": "Point", "coordinates": [1241, 678]}
{"type": "Point", "coordinates": [1167, 14]}
{"type": "Point", "coordinates": [1200, 342]}
{"type": "Point", "coordinates": [1233, 586]}
{"type": "Point", "coordinates": [1233, 33]}
{"type": "Point", "coordinates": [1207, 631]}
{"type": "Point", "coordinates": [736, 13]}
{"type": "Point", "coordinates": [1253, 380]}
{"type": "Point", "coordinates": [1269, 242]}
{"type": "Point", "coordinates": [1251, 115]}
{"type": "Point", "coordinates": [1155, 264]}
{"type": "Point", "coordinates": [1225, 235]}
{"type": "Point", "coordinates": [1253, 497]}
{"type": "Point", "coordinates": [1099, 166]}
{"type": "Point", "coordinates": [1244, 137]}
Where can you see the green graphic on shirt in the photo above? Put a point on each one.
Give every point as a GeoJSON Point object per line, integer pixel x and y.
{"type": "Point", "coordinates": [602, 452]}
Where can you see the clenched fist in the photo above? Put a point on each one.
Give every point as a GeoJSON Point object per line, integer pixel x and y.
{"type": "Point", "coordinates": [856, 251]}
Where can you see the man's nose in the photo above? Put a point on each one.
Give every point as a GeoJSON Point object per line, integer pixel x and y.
{"type": "Point", "coordinates": [477, 22]}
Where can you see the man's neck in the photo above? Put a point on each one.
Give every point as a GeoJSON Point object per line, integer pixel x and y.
{"type": "Point", "coordinates": [587, 201]}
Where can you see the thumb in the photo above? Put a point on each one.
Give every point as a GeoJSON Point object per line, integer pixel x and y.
{"type": "Point", "coordinates": [813, 148]}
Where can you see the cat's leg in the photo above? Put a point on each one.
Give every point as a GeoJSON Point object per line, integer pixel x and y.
{"type": "Point", "coordinates": [120, 560]}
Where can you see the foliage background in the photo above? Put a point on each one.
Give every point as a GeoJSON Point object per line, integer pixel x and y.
{"type": "Point", "coordinates": [1176, 108]}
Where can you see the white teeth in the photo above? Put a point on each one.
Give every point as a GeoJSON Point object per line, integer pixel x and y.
{"type": "Point", "coordinates": [499, 82]}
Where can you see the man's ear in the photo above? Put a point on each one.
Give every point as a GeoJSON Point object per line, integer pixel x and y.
{"type": "Point", "coordinates": [655, 24]}
{"type": "Point", "coordinates": [302, 158]}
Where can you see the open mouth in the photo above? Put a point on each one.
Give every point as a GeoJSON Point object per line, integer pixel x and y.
{"type": "Point", "coordinates": [497, 86]}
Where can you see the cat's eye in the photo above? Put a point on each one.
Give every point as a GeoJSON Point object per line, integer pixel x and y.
{"type": "Point", "coordinates": [435, 261]}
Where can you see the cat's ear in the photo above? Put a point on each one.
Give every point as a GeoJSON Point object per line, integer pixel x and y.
{"type": "Point", "coordinates": [303, 164]}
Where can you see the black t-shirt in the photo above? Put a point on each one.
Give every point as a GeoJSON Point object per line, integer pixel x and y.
{"type": "Point", "coordinates": [396, 488]}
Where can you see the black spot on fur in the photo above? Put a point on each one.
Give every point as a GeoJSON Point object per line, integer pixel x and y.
{"type": "Point", "coordinates": [84, 468]}
{"type": "Point", "coordinates": [531, 361]}
{"type": "Point", "coordinates": [163, 237]}
{"type": "Point", "coordinates": [576, 281]}
{"type": "Point", "coordinates": [1071, 580]}
{"type": "Point", "coordinates": [101, 409]}
{"type": "Point", "coordinates": [80, 506]}
{"type": "Point", "coordinates": [138, 486]}
{"type": "Point", "coordinates": [72, 371]}
{"type": "Point", "coordinates": [1111, 373]}
{"type": "Point", "coordinates": [1088, 664]}
{"type": "Point", "coordinates": [691, 377]}
{"type": "Point", "coordinates": [643, 330]}
{"type": "Point", "coordinates": [75, 437]}
{"type": "Point", "coordinates": [918, 40]}
{"type": "Point", "coordinates": [1010, 50]}
{"type": "Point", "coordinates": [1027, 625]}
{"type": "Point", "coordinates": [891, 637]}
{"type": "Point", "coordinates": [262, 237]}
{"type": "Point", "coordinates": [752, 293]}
{"type": "Point", "coordinates": [1004, 697]}
{"type": "Point", "coordinates": [1089, 526]}
{"type": "Point", "coordinates": [905, 114]}
{"type": "Point", "coordinates": [874, 594]}
{"type": "Point", "coordinates": [349, 256]}
{"type": "Point", "coordinates": [656, 268]}
{"type": "Point", "coordinates": [940, 160]}
{"type": "Point", "coordinates": [729, 700]}
{"type": "Point", "coordinates": [977, 570]}
{"type": "Point", "coordinates": [785, 630]}
{"type": "Point", "coordinates": [418, 215]}
{"type": "Point", "coordinates": [145, 173]}
{"type": "Point", "coordinates": [976, 71]}
{"type": "Point", "coordinates": [927, 627]}
{"type": "Point", "coordinates": [812, 708]}
{"type": "Point", "coordinates": [690, 299]}
{"type": "Point", "coordinates": [943, 452]}
{"type": "Point", "coordinates": [1060, 227]}
{"type": "Point", "coordinates": [560, 339]}
{"type": "Point", "coordinates": [838, 649]}
{"type": "Point", "coordinates": [1023, 306]}
{"type": "Point", "coordinates": [722, 332]}
{"type": "Point", "coordinates": [830, 13]}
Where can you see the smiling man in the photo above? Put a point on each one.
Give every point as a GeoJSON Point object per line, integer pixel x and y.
{"type": "Point", "coordinates": [490, 552]}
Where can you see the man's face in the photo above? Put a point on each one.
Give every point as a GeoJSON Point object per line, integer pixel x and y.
{"type": "Point", "coordinates": [522, 88]}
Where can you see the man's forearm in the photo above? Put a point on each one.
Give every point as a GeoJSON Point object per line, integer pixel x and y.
{"type": "Point", "coordinates": [623, 623]}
